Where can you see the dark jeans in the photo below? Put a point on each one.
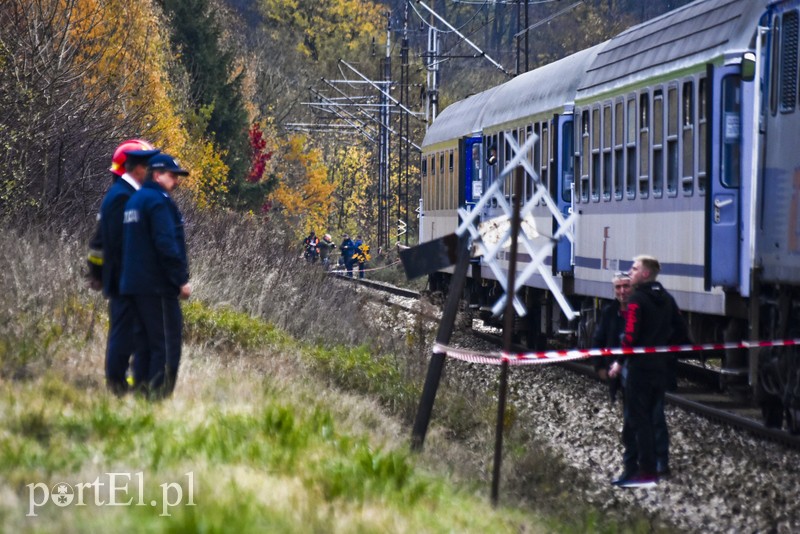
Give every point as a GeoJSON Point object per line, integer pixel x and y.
{"type": "Point", "coordinates": [644, 432]}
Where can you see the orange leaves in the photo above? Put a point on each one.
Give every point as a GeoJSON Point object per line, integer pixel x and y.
{"type": "Point", "coordinates": [304, 195]}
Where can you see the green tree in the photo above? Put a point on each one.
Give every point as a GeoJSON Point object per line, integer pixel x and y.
{"type": "Point", "coordinates": [215, 81]}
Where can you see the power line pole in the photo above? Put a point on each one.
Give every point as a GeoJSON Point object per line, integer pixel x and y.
{"type": "Point", "coordinates": [384, 171]}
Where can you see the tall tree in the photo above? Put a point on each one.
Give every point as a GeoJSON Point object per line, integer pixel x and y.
{"type": "Point", "coordinates": [215, 81]}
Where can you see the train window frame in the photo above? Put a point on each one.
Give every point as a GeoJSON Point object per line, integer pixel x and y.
{"type": "Point", "coordinates": [631, 147]}
{"type": "Point", "coordinates": [544, 142]}
{"type": "Point", "coordinates": [688, 121]}
{"type": "Point", "coordinates": [443, 181]}
{"type": "Point", "coordinates": [657, 143]}
{"type": "Point", "coordinates": [595, 170]}
{"type": "Point", "coordinates": [584, 148]}
{"type": "Point", "coordinates": [619, 148]}
{"type": "Point", "coordinates": [644, 145]}
{"type": "Point", "coordinates": [452, 183]}
{"type": "Point", "coordinates": [606, 161]}
{"type": "Point", "coordinates": [673, 153]}
{"type": "Point", "coordinates": [533, 155]}
{"type": "Point", "coordinates": [730, 151]}
{"type": "Point", "coordinates": [775, 34]}
{"type": "Point", "coordinates": [568, 159]}
{"type": "Point", "coordinates": [788, 64]}
{"type": "Point", "coordinates": [702, 135]}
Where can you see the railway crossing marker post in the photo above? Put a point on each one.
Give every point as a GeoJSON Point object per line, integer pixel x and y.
{"type": "Point", "coordinates": [508, 330]}
{"type": "Point", "coordinates": [436, 364]}
{"type": "Point", "coordinates": [489, 242]}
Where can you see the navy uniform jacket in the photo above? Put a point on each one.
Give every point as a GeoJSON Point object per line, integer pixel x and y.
{"type": "Point", "coordinates": [110, 230]}
{"type": "Point", "coordinates": [154, 259]}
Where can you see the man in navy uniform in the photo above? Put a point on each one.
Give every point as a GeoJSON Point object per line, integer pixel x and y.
{"type": "Point", "coordinates": [128, 166]}
{"type": "Point", "coordinates": [155, 270]}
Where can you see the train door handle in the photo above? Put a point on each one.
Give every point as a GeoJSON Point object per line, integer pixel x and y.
{"type": "Point", "coordinates": [718, 205]}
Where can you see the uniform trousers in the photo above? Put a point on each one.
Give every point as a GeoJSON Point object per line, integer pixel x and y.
{"type": "Point", "coordinates": [162, 322]}
{"type": "Point", "coordinates": [124, 340]}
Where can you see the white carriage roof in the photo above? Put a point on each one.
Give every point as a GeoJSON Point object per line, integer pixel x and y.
{"type": "Point", "coordinates": [695, 33]}
{"type": "Point", "coordinates": [545, 89]}
{"type": "Point", "coordinates": [459, 119]}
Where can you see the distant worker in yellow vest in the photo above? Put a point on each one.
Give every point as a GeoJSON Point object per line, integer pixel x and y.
{"type": "Point", "coordinates": [361, 255]}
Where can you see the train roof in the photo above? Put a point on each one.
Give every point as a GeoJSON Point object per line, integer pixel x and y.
{"type": "Point", "coordinates": [459, 119]}
{"type": "Point", "coordinates": [696, 33]}
{"type": "Point", "coordinates": [545, 89]}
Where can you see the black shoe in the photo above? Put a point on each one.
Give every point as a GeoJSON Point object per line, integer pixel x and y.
{"type": "Point", "coordinates": [663, 472]}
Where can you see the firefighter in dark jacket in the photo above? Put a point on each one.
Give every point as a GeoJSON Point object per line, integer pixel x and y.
{"type": "Point", "coordinates": [155, 272]}
{"type": "Point", "coordinates": [128, 166]}
{"type": "Point", "coordinates": [653, 319]}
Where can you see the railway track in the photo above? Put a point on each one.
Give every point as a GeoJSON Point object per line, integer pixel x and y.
{"type": "Point", "coordinates": [696, 396]}
{"type": "Point", "coordinates": [698, 391]}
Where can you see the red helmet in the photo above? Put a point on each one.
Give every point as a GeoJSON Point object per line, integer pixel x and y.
{"type": "Point", "coordinates": [118, 160]}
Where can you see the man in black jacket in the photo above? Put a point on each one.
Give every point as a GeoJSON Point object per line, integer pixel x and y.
{"type": "Point", "coordinates": [653, 319]}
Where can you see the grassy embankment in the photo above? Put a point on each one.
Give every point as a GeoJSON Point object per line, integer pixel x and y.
{"type": "Point", "coordinates": [263, 434]}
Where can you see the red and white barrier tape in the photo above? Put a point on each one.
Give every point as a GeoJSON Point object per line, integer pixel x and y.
{"type": "Point", "coordinates": [556, 356]}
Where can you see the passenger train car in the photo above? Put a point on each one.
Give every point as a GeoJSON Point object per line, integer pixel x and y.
{"type": "Point", "coordinates": [679, 138]}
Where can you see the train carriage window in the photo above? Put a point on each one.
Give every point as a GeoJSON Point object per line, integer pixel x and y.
{"type": "Point", "coordinates": [644, 145]}
{"type": "Point", "coordinates": [452, 190]}
{"type": "Point", "coordinates": [630, 150]}
{"type": "Point", "coordinates": [509, 183]}
{"type": "Point", "coordinates": [730, 173]}
{"type": "Point", "coordinates": [606, 155]}
{"type": "Point", "coordinates": [432, 167]}
{"type": "Point", "coordinates": [530, 130]}
{"type": "Point", "coordinates": [789, 62]}
{"type": "Point", "coordinates": [702, 135]}
{"type": "Point", "coordinates": [619, 149]}
{"type": "Point", "coordinates": [672, 141]}
{"type": "Point", "coordinates": [585, 152]}
{"type": "Point", "coordinates": [443, 181]}
{"type": "Point", "coordinates": [687, 178]}
{"type": "Point", "coordinates": [568, 161]}
{"type": "Point", "coordinates": [544, 141]}
{"type": "Point", "coordinates": [658, 144]}
{"type": "Point", "coordinates": [774, 70]}
{"type": "Point", "coordinates": [595, 171]}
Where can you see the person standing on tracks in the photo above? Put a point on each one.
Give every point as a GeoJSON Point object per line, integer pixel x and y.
{"type": "Point", "coordinates": [347, 249]}
{"type": "Point", "coordinates": [128, 167]}
{"type": "Point", "coordinates": [155, 270]}
{"type": "Point", "coordinates": [608, 334]}
{"type": "Point", "coordinates": [326, 246]}
{"type": "Point", "coordinates": [361, 256]}
{"type": "Point", "coordinates": [653, 319]}
{"type": "Point", "coordinates": [310, 250]}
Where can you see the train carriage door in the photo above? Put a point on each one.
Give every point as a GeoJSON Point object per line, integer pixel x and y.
{"type": "Point", "coordinates": [565, 172]}
{"type": "Point", "coordinates": [725, 143]}
{"type": "Point", "coordinates": [472, 152]}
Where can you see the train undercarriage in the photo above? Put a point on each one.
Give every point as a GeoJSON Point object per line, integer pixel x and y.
{"type": "Point", "coordinates": [767, 377]}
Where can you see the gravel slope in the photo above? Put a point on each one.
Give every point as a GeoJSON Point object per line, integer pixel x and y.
{"type": "Point", "coordinates": [722, 480]}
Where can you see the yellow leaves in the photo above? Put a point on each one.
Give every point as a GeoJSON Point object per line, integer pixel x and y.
{"type": "Point", "coordinates": [324, 30]}
{"type": "Point", "coordinates": [304, 195]}
{"type": "Point", "coordinates": [209, 174]}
